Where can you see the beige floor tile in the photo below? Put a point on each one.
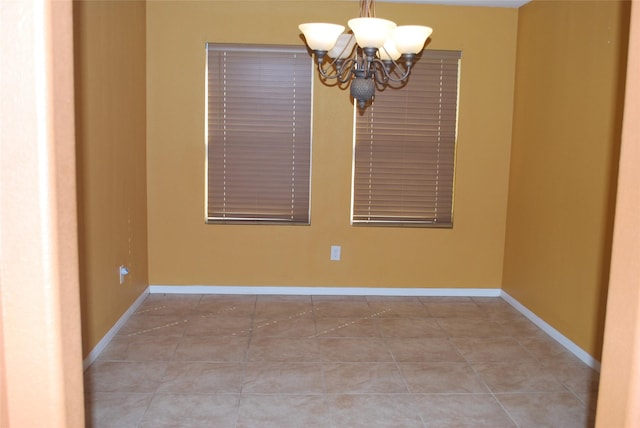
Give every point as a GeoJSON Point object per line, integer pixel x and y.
{"type": "Point", "coordinates": [456, 310]}
{"type": "Point", "coordinates": [268, 299]}
{"type": "Point", "coordinates": [283, 378]}
{"type": "Point", "coordinates": [292, 326]}
{"type": "Point", "coordinates": [284, 349]}
{"type": "Point", "coordinates": [337, 298]}
{"type": "Point", "coordinates": [462, 411]}
{"type": "Point", "coordinates": [359, 349]}
{"type": "Point", "coordinates": [546, 350]}
{"type": "Point", "coordinates": [410, 327]}
{"type": "Point", "coordinates": [115, 409]}
{"type": "Point", "coordinates": [341, 309]}
{"type": "Point", "coordinates": [492, 303]}
{"type": "Point", "coordinates": [191, 410]}
{"type": "Point", "coordinates": [219, 326]}
{"type": "Point", "coordinates": [398, 308]}
{"type": "Point", "coordinates": [212, 348]}
{"type": "Point", "coordinates": [169, 304]}
{"type": "Point", "coordinates": [202, 378]}
{"type": "Point", "coordinates": [393, 299]}
{"type": "Point", "coordinates": [283, 306]}
{"type": "Point", "coordinates": [484, 350]}
{"type": "Point", "coordinates": [226, 306]}
{"type": "Point", "coordinates": [521, 328]}
{"type": "Point", "coordinates": [154, 325]}
{"type": "Point", "coordinates": [442, 378]}
{"type": "Point", "coordinates": [124, 376]}
{"type": "Point", "coordinates": [424, 349]}
{"type": "Point", "coordinates": [374, 410]}
{"type": "Point", "coordinates": [469, 327]}
{"type": "Point", "coordinates": [518, 377]}
{"type": "Point", "coordinates": [140, 348]}
{"type": "Point", "coordinates": [537, 410]}
{"type": "Point", "coordinates": [347, 327]}
{"type": "Point", "coordinates": [575, 375]}
{"type": "Point", "coordinates": [445, 299]}
{"type": "Point", "coordinates": [278, 411]}
{"type": "Point", "coordinates": [357, 378]}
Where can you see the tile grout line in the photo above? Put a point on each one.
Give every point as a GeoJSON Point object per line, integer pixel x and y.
{"type": "Point", "coordinates": [481, 379]}
{"type": "Point", "coordinates": [155, 392]}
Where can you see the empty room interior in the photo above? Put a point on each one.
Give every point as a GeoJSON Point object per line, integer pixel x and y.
{"type": "Point", "coordinates": [540, 110]}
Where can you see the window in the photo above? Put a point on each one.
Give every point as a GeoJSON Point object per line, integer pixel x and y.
{"type": "Point", "coordinates": [405, 148]}
{"type": "Point", "coordinates": [258, 134]}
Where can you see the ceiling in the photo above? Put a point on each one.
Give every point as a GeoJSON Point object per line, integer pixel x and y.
{"type": "Point", "coordinates": [486, 3]}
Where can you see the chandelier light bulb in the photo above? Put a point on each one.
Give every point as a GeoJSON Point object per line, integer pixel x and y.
{"type": "Point", "coordinates": [321, 36]}
{"type": "Point", "coordinates": [371, 32]}
{"type": "Point", "coordinates": [343, 47]}
{"type": "Point", "coordinates": [410, 39]}
{"type": "Point", "coordinates": [388, 51]}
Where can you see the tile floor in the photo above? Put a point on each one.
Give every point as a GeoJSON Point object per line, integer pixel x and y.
{"type": "Point", "coordinates": [335, 362]}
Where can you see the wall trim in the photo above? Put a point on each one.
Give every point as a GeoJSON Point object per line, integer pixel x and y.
{"type": "Point", "coordinates": [97, 350]}
{"type": "Point", "coordinates": [324, 291]}
{"type": "Point", "coordinates": [555, 334]}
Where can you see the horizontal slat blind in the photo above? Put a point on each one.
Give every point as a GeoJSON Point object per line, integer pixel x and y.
{"type": "Point", "coordinates": [259, 133]}
{"type": "Point", "coordinates": [405, 148]}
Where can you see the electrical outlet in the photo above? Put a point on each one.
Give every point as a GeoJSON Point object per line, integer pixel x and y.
{"type": "Point", "coordinates": [124, 271]}
{"type": "Point", "coordinates": [335, 252]}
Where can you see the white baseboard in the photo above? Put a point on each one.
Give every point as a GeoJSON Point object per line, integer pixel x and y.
{"type": "Point", "coordinates": [324, 291]}
{"type": "Point", "coordinates": [555, 334]}
{"type": "Point", "coordinates": [97, 350]}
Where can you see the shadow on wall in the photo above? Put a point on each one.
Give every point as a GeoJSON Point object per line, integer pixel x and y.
{"type": "Point", "coordinates": [624, 19]}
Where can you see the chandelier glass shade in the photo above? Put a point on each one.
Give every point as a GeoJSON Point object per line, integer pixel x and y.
{"type": "Point", "coordinates": [375, 53]}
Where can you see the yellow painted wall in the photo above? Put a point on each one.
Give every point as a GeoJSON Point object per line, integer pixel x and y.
{"type": "Point", "coordinates": [110, 67]}
{"type": "Point", "coordinates": [184, 250]}
{"type": "Point", "coordinates": [566, 133]}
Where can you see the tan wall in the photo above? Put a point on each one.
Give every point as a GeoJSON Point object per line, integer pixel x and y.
{"type": "Point", "coordinates": [111, 142]}
{"type": "Point", "coordinates": [183, 250]}
{"type": "Point", "coordinates": [566, 132]}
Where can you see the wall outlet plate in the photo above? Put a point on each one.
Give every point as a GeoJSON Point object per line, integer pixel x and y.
{"type": "Point", "coordinates": [335, 252]}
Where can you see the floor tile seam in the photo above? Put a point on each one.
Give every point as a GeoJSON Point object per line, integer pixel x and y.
{"type": "Point", "coordinates": [397, 365]}
{"type": "Point", "coordinates": [575, 394]}
{"type": "Point", "coordinates": [325, 391]}
{"type": "Point", "coordinates": [504, 409]}
{"type": "Point", "coordinates": [146, 410]}
{"type": "Point", "coordinates": [283, 394]}
{"type": "Point", "coordinates": [199, 394]}
{"type": "Point", "coordinates": [492, 393]}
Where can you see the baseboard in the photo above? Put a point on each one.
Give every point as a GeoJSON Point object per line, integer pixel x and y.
{"type": "Point", "coordinates": [324, 291]}
{"type": "Point", "coordinates": [555, 334]}
{"type": "Point", "coordinates": [97, 350]}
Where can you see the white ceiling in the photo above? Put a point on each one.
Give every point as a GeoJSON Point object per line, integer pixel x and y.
{"type": "Point", "coordinates": [485, 3]}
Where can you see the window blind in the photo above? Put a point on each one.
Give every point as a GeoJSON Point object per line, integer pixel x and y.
{"type": "Point", "coordinates": [259, 133]}
{"type": "Point", "coordinates": [405, 148]}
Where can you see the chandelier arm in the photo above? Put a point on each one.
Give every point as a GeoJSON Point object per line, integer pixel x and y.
{"type": "Point", "coordinates": [380, 73]}
{"type": "Point", "coordinates": [325, 74]}
{"type": "Point", "coordinates": [345, 70]}
{"type": "Point", "coordinates": [341, 71]}
{"type": "Point", "coordinates": [387, 71]}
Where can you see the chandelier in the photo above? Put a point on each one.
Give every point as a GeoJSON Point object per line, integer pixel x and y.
{"type": "Point", "coordinates": [375, 59]}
